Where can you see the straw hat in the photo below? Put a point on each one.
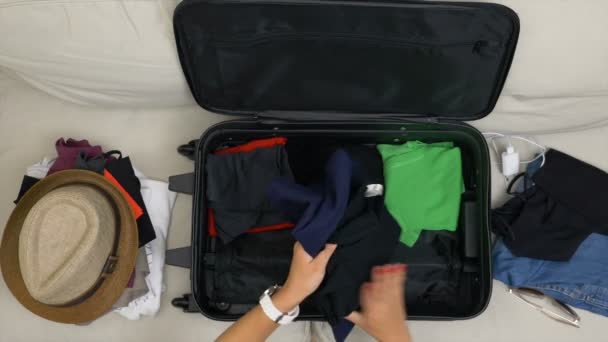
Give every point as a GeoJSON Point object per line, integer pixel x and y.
{"type": "Point", "coordinates": [69, 247]}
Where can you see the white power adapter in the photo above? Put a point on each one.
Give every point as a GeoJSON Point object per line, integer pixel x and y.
{"type": "Point", "coordinates": [510, 162]}
{"type": "Point", "coordinates": [510, 158]}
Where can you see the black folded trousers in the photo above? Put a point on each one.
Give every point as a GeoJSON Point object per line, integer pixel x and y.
{"type": "Point", "coordinates": [252, 262]}
{"type": "Point", "coordinates": [550, 220]}
{"type": "Point", "coordinates": [366, 237]}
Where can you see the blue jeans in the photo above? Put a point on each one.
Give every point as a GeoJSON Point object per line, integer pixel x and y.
{"type": "Point", "coordinates": [581, 282]}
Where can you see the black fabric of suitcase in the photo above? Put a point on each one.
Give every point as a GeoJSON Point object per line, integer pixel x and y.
{"type": "Point", "coordinates": [331, 73]}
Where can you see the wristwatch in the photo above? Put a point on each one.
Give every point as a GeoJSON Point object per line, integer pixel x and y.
{"type": "Point", "coordinates": [282, 318]}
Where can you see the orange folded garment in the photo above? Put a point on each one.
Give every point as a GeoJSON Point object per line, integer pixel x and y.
{"type": "Point", "coordinates": [135, 208]}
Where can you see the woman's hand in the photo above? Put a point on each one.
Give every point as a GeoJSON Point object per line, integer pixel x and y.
{"type": "Point", "coordinates": [305, 276]}
{"type": "Point", "coordinates": [382, 305]}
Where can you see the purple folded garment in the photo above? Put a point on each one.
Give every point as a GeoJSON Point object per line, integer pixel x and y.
{"type": "Point", "coordinates": [68, 151]}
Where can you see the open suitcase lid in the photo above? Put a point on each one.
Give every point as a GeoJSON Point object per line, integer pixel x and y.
{"type": "Point", "coordinates": [364, 59]}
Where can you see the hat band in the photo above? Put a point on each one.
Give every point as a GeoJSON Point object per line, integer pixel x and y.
{"type": "Point", "coordinates": [109, 266]}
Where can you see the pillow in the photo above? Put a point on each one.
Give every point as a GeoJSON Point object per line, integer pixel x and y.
{"type": "Point", "coordinates": [122, 52]}
{"type": "Point", "coordinates": [102, 52]}
{"type": "Point", "coordinates": [522, 115]}
{"type": "Point", "coordinates": [562, 49]}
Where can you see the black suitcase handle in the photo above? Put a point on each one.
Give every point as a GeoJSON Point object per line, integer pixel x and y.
{"type": "Point", "coordinates": [182, 257]}
{"type": "Point", "coordinates": [183, 183]}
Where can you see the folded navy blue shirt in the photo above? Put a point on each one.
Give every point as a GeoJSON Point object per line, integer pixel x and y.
{"type": "Point", "coordinates": [319, 208]}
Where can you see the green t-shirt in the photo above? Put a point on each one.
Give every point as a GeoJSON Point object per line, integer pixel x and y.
{"type": "Point", "coordinates": [423, 186]}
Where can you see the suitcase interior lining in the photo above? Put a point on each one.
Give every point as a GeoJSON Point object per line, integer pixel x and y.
{"type": "Point", "coordinates": [439, 59]}
{"type": "Point", "coordinates": [475, 289]}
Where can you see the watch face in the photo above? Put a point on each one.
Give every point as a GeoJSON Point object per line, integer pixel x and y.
{"type": "Point", "coordinates": [273, 289]}
{"type": "Point", "coordinates": [270, 291]}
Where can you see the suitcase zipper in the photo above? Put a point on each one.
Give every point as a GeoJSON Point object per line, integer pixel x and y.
{"type": "Point", "coordinates": [274, 117]}
{"type": "Point", "coordinates": [248, 41]}
{"type": "Point", "coordinates": [410, 4]}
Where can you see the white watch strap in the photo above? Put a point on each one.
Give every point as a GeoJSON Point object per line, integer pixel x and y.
{"type": "Point", "coordinates": [275, 314]}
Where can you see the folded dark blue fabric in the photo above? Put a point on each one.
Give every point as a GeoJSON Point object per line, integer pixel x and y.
{"type": "Point", "coordinates": [342, 329]}
{"type": "Point", "coordinates": [319, 208]}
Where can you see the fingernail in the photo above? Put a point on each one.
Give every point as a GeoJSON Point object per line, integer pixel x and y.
{"type": "Point", "coordinates": [399, 268]}
{"type": "Point", "coordinates": [376, 270]}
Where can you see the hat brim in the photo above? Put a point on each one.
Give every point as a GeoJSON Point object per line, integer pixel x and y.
{"type": "Point", "coordinates": [112, 286]}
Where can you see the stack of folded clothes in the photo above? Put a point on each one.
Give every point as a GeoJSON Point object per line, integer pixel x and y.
{"type": "Point", "coordinates": [151, 203]}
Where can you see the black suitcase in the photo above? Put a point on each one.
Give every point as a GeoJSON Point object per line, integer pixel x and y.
{"type": "Point", "coordinates": [349, 72]}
